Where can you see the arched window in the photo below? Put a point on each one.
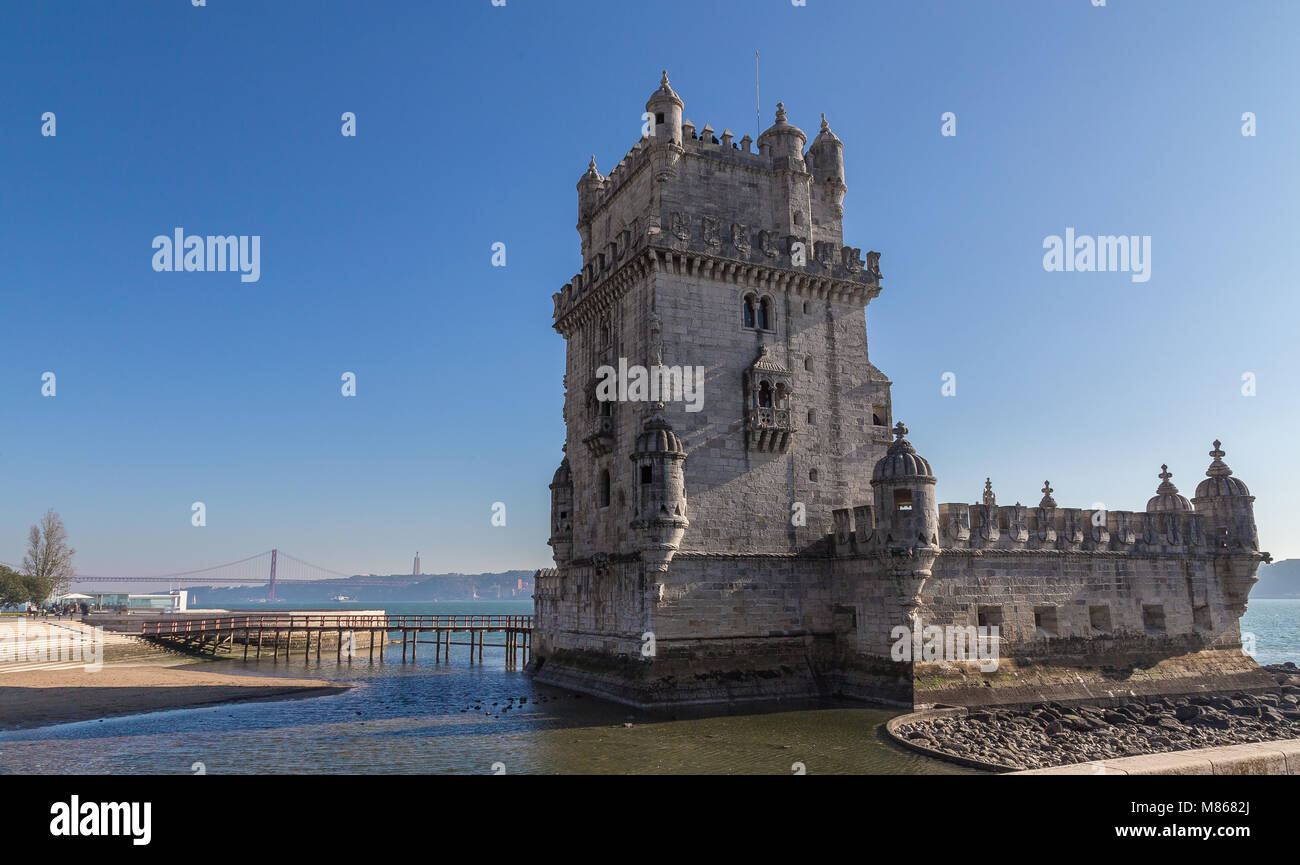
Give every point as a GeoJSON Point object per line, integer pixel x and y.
{"type": "Point", "coordinates": [782, 397]}
{"type": "Point", "coordinates": [748, 316]}
{"type": "Point", "coordinates": [604, 488]}
{"type": "Point", "coordinates": [765, 314]}
{"type": "Point", "coordinates": [765, 395]}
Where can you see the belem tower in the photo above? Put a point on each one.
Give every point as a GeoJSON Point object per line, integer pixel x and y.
{"type": "Point", "coordinates": [771, 542]}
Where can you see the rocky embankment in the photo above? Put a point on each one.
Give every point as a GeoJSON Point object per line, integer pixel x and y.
{"type": "Point", "coordinates": [1053, 734]}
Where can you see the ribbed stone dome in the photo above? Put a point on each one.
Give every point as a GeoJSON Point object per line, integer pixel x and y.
{"type": "Point", "coordinates": [664, 94]}
{"type": "Point", "coordinates": [1219, 482]}
{"type": "Point", "coordinates": [658, 438]}
{"type": "Point", "coordinates": [901, 461]}
{"type": "Point", "coordinates": [783, 130]}
{"type": "Point", "coordinates": [1167, 498]}
{"type": "Point", "coordinates": [563, 476]}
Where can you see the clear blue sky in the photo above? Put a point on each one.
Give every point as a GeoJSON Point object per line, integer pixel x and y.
{"type": "Point", "coordinates": [474, 124]}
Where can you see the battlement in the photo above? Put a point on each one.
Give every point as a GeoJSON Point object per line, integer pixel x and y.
{"type": "Point", "coordinates": [767, 202]}
{"type": "Point", "coordinates": [697, 242]}
{"type": "Point", "coordinates": [1018, 527]}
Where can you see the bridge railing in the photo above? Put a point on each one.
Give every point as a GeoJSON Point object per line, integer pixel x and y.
{"type": "Point", "coordinates": [284, 622]}
{"type": "Point", "coordinates": [397, 623]}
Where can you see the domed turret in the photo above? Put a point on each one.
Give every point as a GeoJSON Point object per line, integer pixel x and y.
{"type": "Point", "coordinates": [661, 491]}
{"type": "Point", "coordinates": [783, 142]}
{"type": "Point", "coordinates": [826, 162]}
{"type": "Point", "coordinates": [1228, 506]}
{"type": "Point", "coordinates": [561, 540]}
{"type": "Point", "coordinates": [901, 461]}
{"type": "Point", "coordinates": [1219, 481]}
{"type": "Point", "coordinates": [1167, 498]}
{"type": "Point", "coordinates": [590, 188]}
{"type": "Point", "coordinates": [906, 513]}
{"type": "Point", "coordinates": [666, 107]}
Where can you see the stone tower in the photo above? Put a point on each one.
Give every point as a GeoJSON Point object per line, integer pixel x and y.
{"type": "Point", "coordinates": [701, 253]}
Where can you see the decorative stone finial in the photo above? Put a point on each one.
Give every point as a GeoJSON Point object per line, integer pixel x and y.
{"type": "Point", "coordinates": [1218, 468]}
{"type": "Point", "coordinates": [663, 82]}
{"type": "Point", "coordinates": [1166, 487]}
{"type": "Point", "coordinates": [900, 445]}
{"type": "Point", "coordinates": [1048, 501]}
{"type": "Point", "coordinates": [780, 112]}
{"type": "Point", "coordinates": [826, 127]}
{"type": "Point", "coordinates": [989, 499]}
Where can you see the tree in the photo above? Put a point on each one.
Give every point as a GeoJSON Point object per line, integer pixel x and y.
{"type": "Point", "coordinates": [15, 589]}
{"type": "Point", "coordinates": [49, 558]}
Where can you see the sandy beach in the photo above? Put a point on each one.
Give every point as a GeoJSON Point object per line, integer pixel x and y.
{"type": "Point", "coordinates": [40, 697]}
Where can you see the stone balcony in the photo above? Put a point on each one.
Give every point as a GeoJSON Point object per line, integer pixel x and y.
{"type": "Point", "coordinates": [601, 439]}
{"type": "Point", "coordinates": [769, 429]}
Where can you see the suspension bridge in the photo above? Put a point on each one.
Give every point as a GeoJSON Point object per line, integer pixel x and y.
{"type": "Point", "coordinates": [272, 567]}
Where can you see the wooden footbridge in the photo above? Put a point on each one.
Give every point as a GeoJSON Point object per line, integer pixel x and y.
{"type": "Point", "coordinates": [288, 633]}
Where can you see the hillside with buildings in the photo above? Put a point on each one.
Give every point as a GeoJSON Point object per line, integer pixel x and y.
{"type": "Point", "coordinates": [370, 588]}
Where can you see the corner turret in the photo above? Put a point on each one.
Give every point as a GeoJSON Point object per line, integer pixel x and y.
{"type": "Point", "coordinates": [907, 516]}
{"type": "Point", "coordinates": [826, 162]}
{"type": "Point", "coordinates": [1228, 507]}
{"type": "Point", "coordinates": [783, 142]}
{"type": "Point", "coordinates": [661, 492]}
{"type": "Point", "coordinates": [1167, 499]}
{"type": "Point", "coordinates": [665, 108]}
{"type": "Point", "coordinates": [561, 540]}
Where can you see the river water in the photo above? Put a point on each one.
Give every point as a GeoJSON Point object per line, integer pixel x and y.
{"type": "Point", "coordinates": [457, 717]}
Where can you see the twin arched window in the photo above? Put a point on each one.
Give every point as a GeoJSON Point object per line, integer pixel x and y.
{"type": "Point", "coordinates": [758, 313]}
{"type": "Point", "coordinates": [769, 397]}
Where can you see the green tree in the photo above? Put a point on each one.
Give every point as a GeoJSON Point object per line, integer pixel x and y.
{"type": "Point", "coordinates": [15, 588]}
{"type": "Point", "coordinates": [49, 558]}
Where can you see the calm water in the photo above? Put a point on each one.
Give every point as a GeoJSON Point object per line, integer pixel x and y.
{"type": "Point", "coordinates": [421, 718]}
{"type": "Point", "coordinates": [1275, 625]}
{"type": "Point", "coordinates": [441, 718]}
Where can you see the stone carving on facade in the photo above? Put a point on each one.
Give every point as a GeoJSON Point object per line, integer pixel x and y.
{"type": "Point", "coordinates": [824, 251]}
{"type": "Point", "coordinates": [852, 259]}
{"type": "Point", "coordinates": [740, 237]}
{"type": "Point", "coordinates": [956, 525]}
{"type": "Point", "coordinates": [767, 243]}
{"type": "Point", "coordinates": [711, 229]}
{"type": "Point", "coordinates": [681, 225]}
